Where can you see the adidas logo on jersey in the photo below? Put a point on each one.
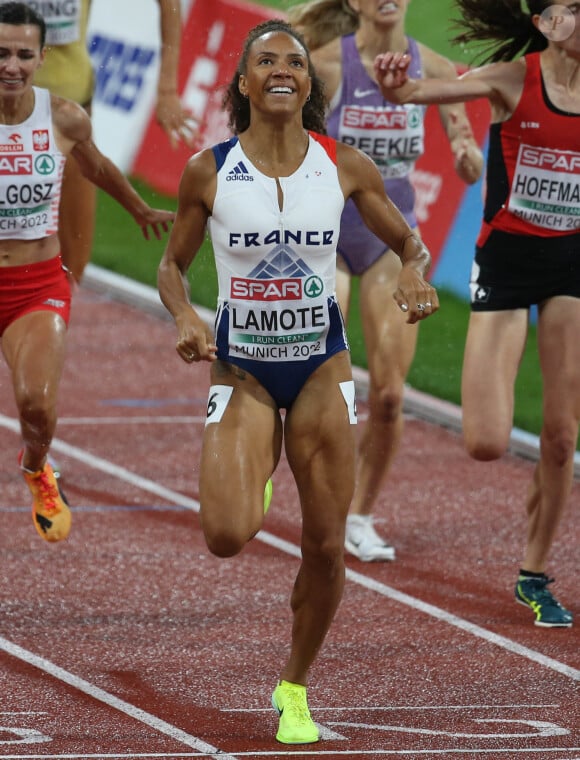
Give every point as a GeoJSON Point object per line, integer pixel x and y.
{"type": "Point", "coordinates": [239, 173]}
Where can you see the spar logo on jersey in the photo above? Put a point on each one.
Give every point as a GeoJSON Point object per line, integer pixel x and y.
{"type": "Point", "coordinates": [14, 144]}
{"type": "Point", "coordinates": [545, 158]}
{"type": "Point", "coordinates": [44, 164]}
{"type": "Point", "coordinates": [313, 287]}
{"type": "Point", "coordinates": [244, 289]}
{"type": "Point", "coordinates": [13, 165]}
{"type": "Point", "coordinates": [281, 276]}
{"type": "Point", "coordinates": [377, 118]}
{"type": "Point", "coordinates": [40, 139]}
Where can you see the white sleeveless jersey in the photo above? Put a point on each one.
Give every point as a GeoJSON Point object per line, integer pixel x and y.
{"type": "Point", "coordinates": [31, 167]}
{"type": "Point", "coordinates": [276, 267]}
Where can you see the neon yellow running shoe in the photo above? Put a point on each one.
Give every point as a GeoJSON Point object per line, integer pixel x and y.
{"type": "Point", "coordinates": [296, 726]}
{"type": "Point", "coordinates": [268, 495]}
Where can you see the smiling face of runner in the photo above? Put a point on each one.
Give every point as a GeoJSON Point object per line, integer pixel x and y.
{"type": "Point", "coordinates": [298, 67]}
{"type": "Point", "coordinates": [277, 78]}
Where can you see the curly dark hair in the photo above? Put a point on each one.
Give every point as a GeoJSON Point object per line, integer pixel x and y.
{"type": "Point", "coordinates": [504, 24]}
{"type": "Point", "coordinates": [314, 110]}
{"type": "Point", "coordinates": [20, 14]}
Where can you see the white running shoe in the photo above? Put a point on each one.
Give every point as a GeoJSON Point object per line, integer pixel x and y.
{"type": "Point", "coordinates": [364, 542]}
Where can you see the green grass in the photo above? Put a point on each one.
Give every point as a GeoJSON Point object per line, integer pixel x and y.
{"type": "Point", "coordinates": [120, 247]}
{"type": "Point", "coordinates": [437, 366]}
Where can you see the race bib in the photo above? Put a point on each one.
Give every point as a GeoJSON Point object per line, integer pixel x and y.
{"type": "Point", "coordinates": [393, 138]}
{"type": "Point", "coordinates": [281, 331]}
{"type": "Point", "coordinates": [545, 189]}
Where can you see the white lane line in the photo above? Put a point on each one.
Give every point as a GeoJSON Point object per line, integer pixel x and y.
{"type": "Point", "coordinates": [465, 625]}
{"type": "Point", "coordinates": [416, 403]}
{"type": "Point", "coordinates": [436, 612]}
{"type": "Point", "coordinates": [292, 549]}
{"type": "Point", "coordinates": [103, 465]}
{"type": "Point", "coordinates": [362, 580]}
{"type": "Point", "coordinates": [109, 699]}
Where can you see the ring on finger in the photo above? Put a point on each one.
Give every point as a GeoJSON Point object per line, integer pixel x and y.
{"type": "Point", "coordinates": [420, 307]}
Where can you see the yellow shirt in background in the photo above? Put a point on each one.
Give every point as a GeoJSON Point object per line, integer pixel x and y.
{"type": "Point", "coordinates": [67, 70]}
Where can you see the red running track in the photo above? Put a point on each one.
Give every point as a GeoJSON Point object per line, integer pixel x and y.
{"type": "Point", "coordinates": [130, 641]}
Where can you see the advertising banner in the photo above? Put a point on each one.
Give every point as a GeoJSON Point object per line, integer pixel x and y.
{"type": "Point", "coordinates": [212, 41]}
{"type": "Point", "coordinates": [124, 44]}
{"type": "Point", "coordinates": [126, 58]}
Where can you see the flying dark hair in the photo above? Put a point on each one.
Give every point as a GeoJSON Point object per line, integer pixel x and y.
{"type": "Point", "coordinates": [19, 14]}
{"type": "Point", "coordinates": [503, 24]}
{"type": "Point", "coordinates": [238, 107]}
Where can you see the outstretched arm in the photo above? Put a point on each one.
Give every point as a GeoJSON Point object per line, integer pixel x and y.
{"type": "Point", "coordinates": [73, 127]}
{"type": "Point", "coordinates": [361, 180]}
{"type": "Point", "coordinates": [468, 158]}
{"type": "Point", "coordinates": [176, 121]}
{"type": "Point", "coordinates": [500, 83]}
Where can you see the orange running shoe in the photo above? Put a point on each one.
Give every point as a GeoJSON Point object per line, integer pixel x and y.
{"type": "Point", "coordinates": [50, 511]}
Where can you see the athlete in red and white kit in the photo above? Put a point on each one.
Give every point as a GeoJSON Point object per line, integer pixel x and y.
{"type": "Point", "coordinates": [38, 131]}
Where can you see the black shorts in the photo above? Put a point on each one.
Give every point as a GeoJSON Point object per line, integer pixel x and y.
{"type": "Point", "coordinates": [518, 271]}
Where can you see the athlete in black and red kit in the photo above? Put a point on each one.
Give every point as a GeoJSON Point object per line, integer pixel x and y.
{"type": "Point", "coordinates": [528, 249]}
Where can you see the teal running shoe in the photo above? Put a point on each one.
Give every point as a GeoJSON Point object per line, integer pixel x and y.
{"type": "Point", "coordinates": [532, 593]}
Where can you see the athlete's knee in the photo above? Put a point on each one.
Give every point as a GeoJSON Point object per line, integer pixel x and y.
{"type": "Point", "coordinates": [224, 542]}
{"type": "Point", "coordinates": [386, 403]}
{"type": "Point", "coordinates": [559, 441]}
{"type": "Point", "coordinates": [325, 556]}
{"type": "Point", "coordinates": [484, 451]}
{"type": "Point", "coordinates": [225, 536]}
{"type": "Point", "coordinates": [482, 444]}
{"type": "Point", "coordinates": [35, 407]}
{"type": "Point", "coordinates": [484, 448]}
{"type": "Point", "coordinates": [485, 438]}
